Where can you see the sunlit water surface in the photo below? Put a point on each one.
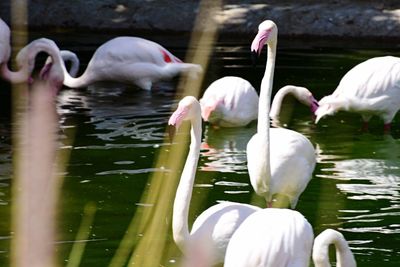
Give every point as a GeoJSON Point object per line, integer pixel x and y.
{"type": "Point", "coordinates": [118, 133]}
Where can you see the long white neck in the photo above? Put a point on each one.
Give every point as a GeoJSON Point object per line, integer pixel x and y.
{"type": "Point", "coordinates": [278, 99]}
{"type": "Point", "coordinates": [264, 104]}
{"type": "Point", "coordinates": [183, 195]}
{"type": "Point", "coordinates": [344, 256]}
{"type": "Point", "coordinates": [81, 81]}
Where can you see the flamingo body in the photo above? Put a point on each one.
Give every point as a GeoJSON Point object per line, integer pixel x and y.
{"type": "Point", "coordinates": [229, 102]}
{"type": "Point", "coordinates": [211, 231]}
{"type": "Point", "coordinates": [370, 88]}
{"type": "Point", "coordinates": [5, 48]}
{"type": "Point", "coordinates": [131, 60]}
{"type": "Point", "coordinates": [292, 162]}
{"type": "Point", "coordinates": [271, 238]}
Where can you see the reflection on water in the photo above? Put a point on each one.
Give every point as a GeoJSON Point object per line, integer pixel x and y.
{"type": "Point", "coordinates": [224, 150]}
{"type": "Point", "coordinates": [369, 178]}
{"type": "Point", "coordinates": [119, 112]}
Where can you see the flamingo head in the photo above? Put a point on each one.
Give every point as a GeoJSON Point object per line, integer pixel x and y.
{"type": "Point", "coordinates": [52, 73]}
{"type": "Point", "coordinates": [210, 110]}
{"type": "Point", "coordinates": [305, 97]}
{"type": "Point", "coordinates": [267, 34]}
{"type": "Point", "coordinates": [188, 109]}
{"type": "Point", "coordinates": [328, 106]}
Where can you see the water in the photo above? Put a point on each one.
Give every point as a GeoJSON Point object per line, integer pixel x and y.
{"type": "Point", "coordinates": [118, 134]}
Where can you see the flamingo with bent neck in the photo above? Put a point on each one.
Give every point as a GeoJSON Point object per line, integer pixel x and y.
{"type": "Point", "coordinates": [131, 60]}
{"type": "Point", "coordinates": [26, 57]}
{"type": "Point", "coordinates": [229, 102]}
{"type": "Point", "coordinates": [370, 88]}
{"type": "Point", "coordinates": [279, 169]}
{"type": "Point", "coordinates": [344, 256]}
{"type": "Point", "coordinates": [283, 101]}
{"type": "Point", "coordinates": [206, 243]}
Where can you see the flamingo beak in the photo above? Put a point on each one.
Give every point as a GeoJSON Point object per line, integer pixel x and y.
{"type": "Point", "coordinates": [258, 43]}
{"type": "Point", "coordinates": [314, 105]}
{"type": "Point", "coordinates": [319, 114]}
{"type": "Point", "coordinates": [45, 71]}
{"type": "Point", "coordinates": [254, 57]}
{"type": "Point", "coordinates": [175, 120]}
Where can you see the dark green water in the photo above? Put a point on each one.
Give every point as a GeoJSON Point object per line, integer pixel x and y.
{"type": "Point", "coordinates": [118, 134]}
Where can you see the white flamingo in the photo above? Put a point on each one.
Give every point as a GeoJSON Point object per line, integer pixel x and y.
{"type": "Point", "coordinates": [320, 255]}
{"type": "Point", "coordinates": [271, 238]}
{"type": "Point", "coordinates": [282, 168]}
{"type": "Point", "coordinates": [206, 243]}
{"type": "Point", "coordinates": [26, 62]}
{"type": "Point", "coordinates": [370, 88]}
{"type": "Point", "coordinates": [229, 102]}
{"type": "Point", "coordinates": [131, 60]}
{"type": "Point", "coordinates": [284, 98]}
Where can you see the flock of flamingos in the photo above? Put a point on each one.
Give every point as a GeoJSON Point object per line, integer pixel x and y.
{"type": "Point", "coordinates": [280, 161]}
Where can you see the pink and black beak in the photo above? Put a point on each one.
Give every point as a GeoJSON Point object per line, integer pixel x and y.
{"type": "Point", "coordinates": [258, 44]}
{"type": "Point", "coordinates": [45, 71]}
{"type": "Point", "coordinates": [314, 105]}
{"type": "Point", "coordinates": [175, 121]}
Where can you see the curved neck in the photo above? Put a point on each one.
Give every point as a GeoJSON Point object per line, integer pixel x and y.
{"type": "Point", "coordinates": [34, 48]}
{"type": "Point", "coordinates": [77, 82]}
{"type": "Point", "coordinates": [183, 195]}
{"type": "Point", "coordinates": [18, 76]}
{"type": "Point", "coordinates": [344, 256]}
{"type": "Point", "coordinates": [278, 99]}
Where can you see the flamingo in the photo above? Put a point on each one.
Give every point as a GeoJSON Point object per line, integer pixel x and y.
{"type": "Point", "coordinates": [131, 60]}
{"type": "Point", "coordinates": [370, 88]}
{"type": "Point", "coordinates": [320, 254]}
{"type": "Point", "coordinates": [211, 231]}
{"type": "Point", "coordinates": [271, 238]}
{"type": "Point", "coordinates": [229, 102]}
{"type": "Point", "coordinates": [283, 100]}
{"type": "Point", "coordinates": [282, 168]}
{"type": "Point", "coordinates": [25, 58]}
